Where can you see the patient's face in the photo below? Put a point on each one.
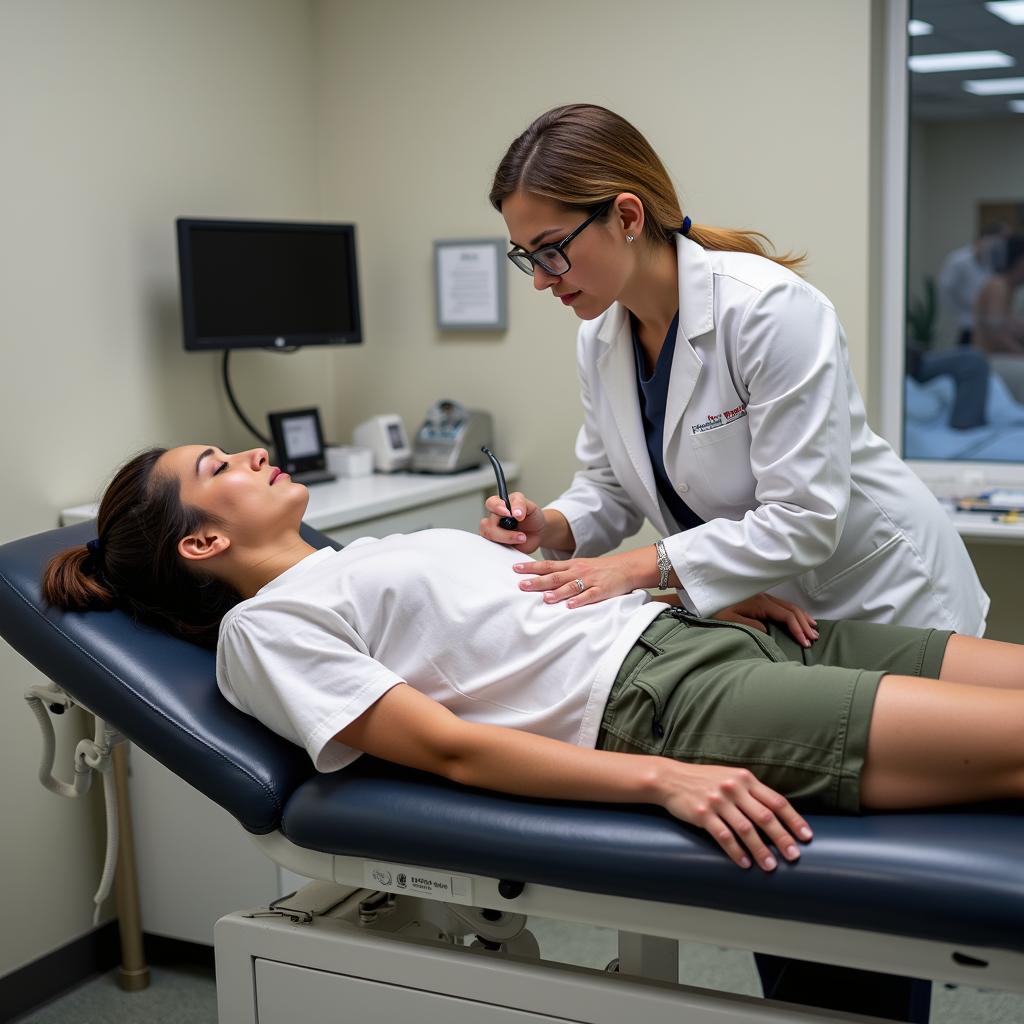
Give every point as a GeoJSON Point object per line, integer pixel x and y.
{"type": "Point", "coordinates": [245, 491]}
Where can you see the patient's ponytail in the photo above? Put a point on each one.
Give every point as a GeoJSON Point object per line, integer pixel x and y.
{"type": "Point", "coordinates": [72, 581]}
{"type": "Point", "coordinates": [133, 562]}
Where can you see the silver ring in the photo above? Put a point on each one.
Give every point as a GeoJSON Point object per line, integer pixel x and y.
{"type": "Point", "coordinates": [581, 585]}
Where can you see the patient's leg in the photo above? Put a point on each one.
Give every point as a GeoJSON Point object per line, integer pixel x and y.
{"type": "Point", "coordinates": [983, 662]}
{"type": "Point", "coordinates": [933, 742]}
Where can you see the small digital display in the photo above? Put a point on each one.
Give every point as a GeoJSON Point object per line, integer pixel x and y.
{"type": "Point", "coordinates": [298, 439]}
{"type": "Point", "coordinates": [395, 436]}
{"type": "Point", "coordinates": [301, 438]}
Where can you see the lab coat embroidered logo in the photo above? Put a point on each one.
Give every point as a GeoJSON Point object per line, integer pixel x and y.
{"type": "Point", "coordinates": [719, 419]}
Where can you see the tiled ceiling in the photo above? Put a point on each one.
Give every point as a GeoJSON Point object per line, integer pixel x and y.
{"type": "Point", "coordinates": [962, 25]}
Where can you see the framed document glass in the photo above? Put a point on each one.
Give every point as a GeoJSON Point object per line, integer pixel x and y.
{"type": "Point", "coordinates": [471, 284]}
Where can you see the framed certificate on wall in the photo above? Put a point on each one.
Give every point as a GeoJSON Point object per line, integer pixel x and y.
{"type": "Point", "coordinates": [471, 284]}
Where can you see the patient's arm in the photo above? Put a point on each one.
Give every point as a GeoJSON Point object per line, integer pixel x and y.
{"type": "Point", "coordinates": [409, 728]}
{"type": "Point", "coordinates": [996, 328]}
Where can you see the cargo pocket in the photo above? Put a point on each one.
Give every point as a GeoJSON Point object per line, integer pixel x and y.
{"type": "Point", "coordinates": [653, 718]}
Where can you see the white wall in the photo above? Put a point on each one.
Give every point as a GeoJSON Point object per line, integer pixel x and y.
{"type": "Point", "coordinates": [118, 116]}
{"type": "Point", "coordinates": [760, 112]}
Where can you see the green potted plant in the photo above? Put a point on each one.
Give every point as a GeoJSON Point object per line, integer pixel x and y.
{"type": "Point", "coordinates": [921, 315]}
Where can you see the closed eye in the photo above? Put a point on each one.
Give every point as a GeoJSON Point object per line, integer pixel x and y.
{"type": "Point", "coordinates": [222, 466]}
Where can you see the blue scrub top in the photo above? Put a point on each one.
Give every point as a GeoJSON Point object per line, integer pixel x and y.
{"type": "Point", "coordinates": [653, 392]}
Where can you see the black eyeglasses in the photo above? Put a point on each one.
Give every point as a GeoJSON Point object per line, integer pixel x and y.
{"type": "Point", "coordinates": [552, 258]}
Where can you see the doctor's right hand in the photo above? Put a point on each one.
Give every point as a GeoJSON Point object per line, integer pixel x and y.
{"type": "Point", "coordinates": [527, 514]}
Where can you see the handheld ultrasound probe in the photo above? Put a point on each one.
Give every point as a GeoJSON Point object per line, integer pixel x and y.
{"type": "Point", "coordinates": [505, 522]}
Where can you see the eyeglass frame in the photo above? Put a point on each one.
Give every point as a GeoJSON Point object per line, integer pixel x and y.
{"type": "Point", "coordinates": [512, 254]}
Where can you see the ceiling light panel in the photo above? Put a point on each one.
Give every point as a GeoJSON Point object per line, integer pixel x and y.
{"type": "Point", "coordinates": [994, 86]}
{"type": "Point", "coordinates": [1009, 10]}
{"type": "Point", "coordinates": [974, 60]}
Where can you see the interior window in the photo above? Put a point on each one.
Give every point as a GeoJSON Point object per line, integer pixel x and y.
{"type": "Point", "coordinates": [964, 365]}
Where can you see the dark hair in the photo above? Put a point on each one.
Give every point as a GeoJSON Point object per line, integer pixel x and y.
{"type": "Point", "coordinates": [1013, 250]}
{"type": "Point", "coordinates": [995, 227]}
{"type": "Point", "coordinates": [581, 155]}
{"type": "Point", "coordinates": [136, 566]}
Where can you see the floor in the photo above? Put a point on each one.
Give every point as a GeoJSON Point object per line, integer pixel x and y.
{"type": "Point", "coordinates": [187, 995]}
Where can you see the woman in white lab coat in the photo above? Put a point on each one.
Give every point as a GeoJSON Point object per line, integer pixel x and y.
{"type": "Point", "coordinates": [718, 404]}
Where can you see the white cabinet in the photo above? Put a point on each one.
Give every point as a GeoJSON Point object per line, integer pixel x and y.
{"type": "Point", "coordinates": [330, 998]}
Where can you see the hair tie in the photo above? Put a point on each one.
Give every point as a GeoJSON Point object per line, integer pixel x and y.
{"type": "Point", "coordinates": [686, 225]}
{"type": "Point", "coordinates": [93, 546]}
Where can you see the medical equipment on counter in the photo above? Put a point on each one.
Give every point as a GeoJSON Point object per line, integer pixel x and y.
{"type": "Point", "coordinates": [404, 864]}
{"type": "Point", "coordinates": [385, 436]}
{"type": "Point", "coordinates": [505, 522]}
{"type": "Point", "coordinates": [348, 461]}
{"type": "Point", "coordinates": [450, 438]}
{"type": "Point", "coordinates": [299, 445]}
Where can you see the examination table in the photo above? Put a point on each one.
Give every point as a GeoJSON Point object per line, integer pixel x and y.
{"type": "Point", "coordinates": [407, 867]}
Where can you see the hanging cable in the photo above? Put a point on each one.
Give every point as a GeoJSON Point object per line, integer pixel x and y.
{"type": "Point", "coordinates": [234, 405]}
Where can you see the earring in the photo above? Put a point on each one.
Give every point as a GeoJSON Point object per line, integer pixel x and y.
{"type": "Point", "coordinates": [629, 238]}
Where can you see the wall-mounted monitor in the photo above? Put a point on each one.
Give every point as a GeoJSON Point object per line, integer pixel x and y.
{"type": "Point", "coordinates": [258, 284]}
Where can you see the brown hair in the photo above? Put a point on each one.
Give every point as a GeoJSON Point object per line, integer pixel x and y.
{"type": "Point", "coordinates": [135, 565]}
{"type": "Point", "coordinates": [581, 155]}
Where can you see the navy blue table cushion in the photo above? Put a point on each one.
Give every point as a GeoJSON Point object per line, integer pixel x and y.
{"type": "Point", "coordinates": [951, 876]}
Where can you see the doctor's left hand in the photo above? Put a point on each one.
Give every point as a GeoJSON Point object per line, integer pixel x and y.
{"type": "Point", "coordinates": [580, 581]}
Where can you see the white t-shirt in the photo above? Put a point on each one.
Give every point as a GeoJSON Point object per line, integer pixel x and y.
{"type": "Point", "coordinates": [440, 610]}
{"type": "Point", "coordinates": [960, 282]}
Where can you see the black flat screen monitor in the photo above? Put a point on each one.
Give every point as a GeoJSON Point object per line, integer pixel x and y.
{"type": "Point", "coordinates": [257, 284]}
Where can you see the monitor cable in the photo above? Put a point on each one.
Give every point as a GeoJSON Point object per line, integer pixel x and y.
{"type": "Point", "coordinates": [234, 404]}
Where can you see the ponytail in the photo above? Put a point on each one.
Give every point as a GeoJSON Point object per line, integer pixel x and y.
{"type": "Point", "coordinates": [734, 240]}
{"type": "Point", "coordinates": [73, 581]}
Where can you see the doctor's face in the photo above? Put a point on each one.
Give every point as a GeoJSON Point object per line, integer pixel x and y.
{"type": "Point", "coordinates": [599, 264]}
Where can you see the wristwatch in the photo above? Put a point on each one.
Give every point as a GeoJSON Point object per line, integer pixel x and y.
{"type": "Point", "coordinates": [664, 565]}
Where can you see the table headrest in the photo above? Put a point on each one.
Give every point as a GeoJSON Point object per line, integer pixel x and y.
{"type": "Point", "coordinates": [158, 690]}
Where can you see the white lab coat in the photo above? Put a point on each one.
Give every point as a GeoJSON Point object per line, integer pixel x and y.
{"type": "Point", "coordinates": [766, 439]}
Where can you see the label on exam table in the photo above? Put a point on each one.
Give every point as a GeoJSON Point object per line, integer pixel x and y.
{"type": "Point", "coordinates": [407, 878]}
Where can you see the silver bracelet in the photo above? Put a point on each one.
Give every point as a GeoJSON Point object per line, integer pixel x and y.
{"type": "Point", "coordinates": [664, 565]}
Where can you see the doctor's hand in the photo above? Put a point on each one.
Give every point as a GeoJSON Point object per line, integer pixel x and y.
{"type": "Point", "coordinates": [580, 581]}
{"type": "Point", "coordinates": [735, 808]}
{"type": "Point", "coordinates": [528, 515]}
{"type": "Point", "coordinates": [761, 608]}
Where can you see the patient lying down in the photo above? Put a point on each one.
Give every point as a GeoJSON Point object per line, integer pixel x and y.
{"type": "Point", "coordinates": [423, 650]}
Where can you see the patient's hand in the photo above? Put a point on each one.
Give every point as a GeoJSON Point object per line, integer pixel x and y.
{"type": "Point", "coordinates": [734, 808]}
{"type": "Point", "coordinates": [762, 608]}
